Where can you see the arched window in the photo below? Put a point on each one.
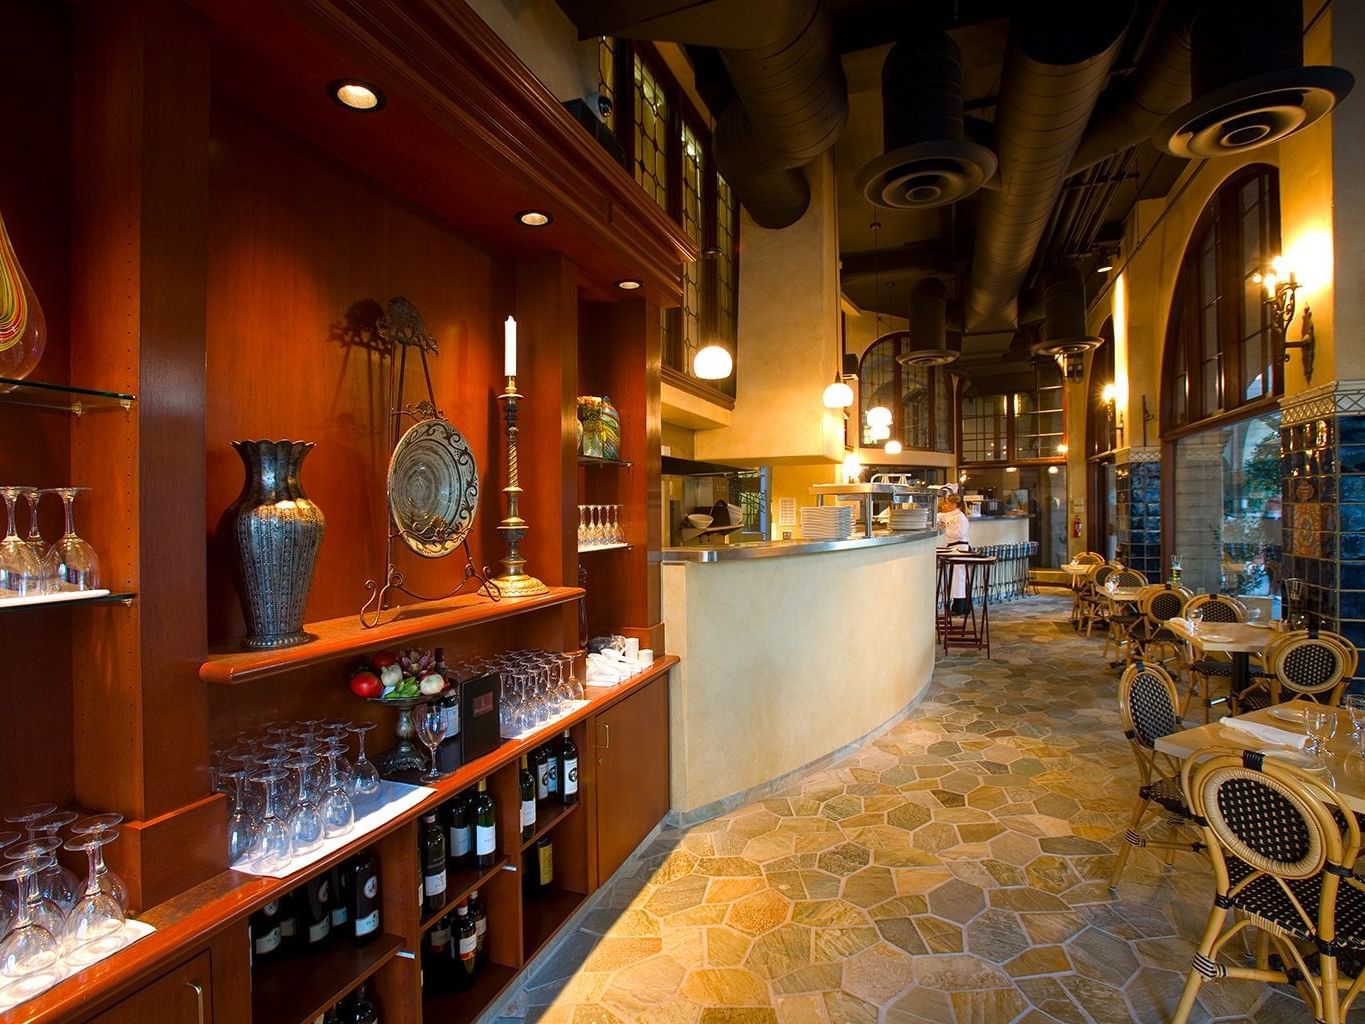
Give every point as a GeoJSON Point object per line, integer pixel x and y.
{"type": "Point", "coordinates": [920, 398]}
{"type": "Point", "coordinates": [1219, 352]}
{"type": "Point", "coordinates": [1022, 425]}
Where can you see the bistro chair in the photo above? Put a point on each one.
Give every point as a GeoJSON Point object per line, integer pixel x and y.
{"type": "Point", "coordinates": [1202, 669]}
{"type": "Point", "coordinates": [1347, 648]}
{"type": "Point", "coordinates": [1089, 597]}
{"type": "Point", "coordinates": [1122, 620]}
{"type": "Point", "coordinates": [1158, 603]}
{"type": "Point", "coordinates": [1282, 846]}
{"type": "Point", "coordinates": [1081, 587]}
{"type": "Point", "coordinates": [1147, 700]}
{"type": "Point", "coordinates": [1264, 690]}
{"type": "Point", "coordinates": [1308, 667]}
{"type": "Point", "coordinates": [1089, 558]}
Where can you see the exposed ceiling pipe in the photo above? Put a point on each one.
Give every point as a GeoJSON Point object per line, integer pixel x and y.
{"type": "Point", "coordinates": [930, 341]}
{"type": "Point", "coordinates": [787, 76]}
{"type": "Point", "coordinates": [927, 160]}
{"type": "Point", "coordinates": [1248, 80]}
{"type": "Point", "coordinates": [1049, 86]}
{"type": "Point", "coordinates": [1159, 86]}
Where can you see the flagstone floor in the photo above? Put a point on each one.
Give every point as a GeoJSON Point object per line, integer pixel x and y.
{"type": "Point", "coordinates": [951, 872]}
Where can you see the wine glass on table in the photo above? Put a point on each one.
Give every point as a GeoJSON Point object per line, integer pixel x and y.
{"type": "Point", "coordinates": [1354, 703]}
{"type": "Point", "coordinates": [1321, 723]}
{"type": "Point", "coordinates": [95, 927]}
{"type": "Point", "coordinates": [431, 730]}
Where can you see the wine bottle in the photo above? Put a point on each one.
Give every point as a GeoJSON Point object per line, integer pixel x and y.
{"type": "Point", "coordinates": [478, 913]}
{"type": "Point", "coordinates": [568, 770]}
{"type": "Point", "coordinates": [461, 830]}
{"type": "Point", "coordinates": [361, 1010]}
{"type": "Point", "coordinates": [485, 828]}
{"type": "Point", "coordinates": [545, 863]}
{"type": "Point", "coordinates": [289, 924]}
{"type": "Point", "coordinates": [436, 957]}
{"type": "Point", "coordinates": [552, 768]}
{"type": "Point", "coordinates": [265, 933]}
{"type": "Point", "coordinates": [466, 947]}
{"type": "Point", "coordinates": [541, 760]}
{"type": "Point", "coordinates": [341, 898]}
{"type": "Point", "coordinates": [315, 912]}
{"type": "Point", "coordinates": [527, 785]}
{"type": "Point", "coordinates": [433, 844]}
{"type": "Point", "coordinates": [364, 887]}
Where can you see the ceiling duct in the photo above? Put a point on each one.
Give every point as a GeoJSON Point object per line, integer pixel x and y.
{"type": "Point", "coordinates": [787, 77]}
{"type": "Point", "coordinates": [1248, 80]}
{"type": "Point", "coordinates": [927, 160]}
{"type": "Point", "coordinates": [1159, 86]}
{"type": "Point", "coordinates": [1048, 90]}
{"type": "Point", "coordinates": [930, 343]}
{"type": "Point", "coordinates": [1064, 331]}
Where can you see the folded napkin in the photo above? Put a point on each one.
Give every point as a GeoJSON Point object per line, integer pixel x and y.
{"type": "Point", "coordinates": [1265, 733]}
{"type": "Point", "coordinates": [1181, 622]}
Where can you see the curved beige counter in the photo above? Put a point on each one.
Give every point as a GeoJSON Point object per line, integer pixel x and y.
{"type": "Point", "coordinates": [790, 653]}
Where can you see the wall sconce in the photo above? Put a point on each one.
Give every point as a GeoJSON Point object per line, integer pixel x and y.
{"type": "Point", "coordinates": [1280, 285]}
{"type": "Point", "coordinates": [1109, 395]}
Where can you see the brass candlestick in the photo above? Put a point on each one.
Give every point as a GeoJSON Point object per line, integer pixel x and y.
{"type": "Point", "coordinates": [514, 582]}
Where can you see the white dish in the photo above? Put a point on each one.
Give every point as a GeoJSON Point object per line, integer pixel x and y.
{"type": "Point", "coordinates": [1288, 714]}
{"type": "Point", "coordinates": [1214, 638]}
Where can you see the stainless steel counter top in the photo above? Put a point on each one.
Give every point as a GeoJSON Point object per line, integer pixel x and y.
{"type": "Point", "coordinates": [788, 548]}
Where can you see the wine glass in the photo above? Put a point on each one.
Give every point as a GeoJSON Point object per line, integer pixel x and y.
{"type": "Point", "coordinates": [28, 817]}
{"type": "Point", "coordinates": [273, 849]}
{"type": "Point", "coordinates": [242, 825]}
{"type": "Point", "coordinates": [78, 567]}
{"type": "Point", "coordinates": [109, 882]}
{"type": "Point", "coordinates": [1196, 620]}
{"type": "Point", "coordinates": [36, 854]}
{"type": "Point", "coordinates": [30, 953]}
{"type": "Point", "coordinates": [21, 572]}
{"type": "Point", "coordinates": [338, 813]}
{"type": "Point", "coordinates": [46, 583]}
{"type": "Point", "coordinates": [431, 730]}
{"type": "Point", "coordinates": [306, 830]}
{"type": "Point", "coordinates": [1322, 726]}
{"type": "Point", "coordinates": [365, 778]}
{"type": "Point", "coordinates": [582, 526]}
{"type": "Point", "coordinates": [95, 926]}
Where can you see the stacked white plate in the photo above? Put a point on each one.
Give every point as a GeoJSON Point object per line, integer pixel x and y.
{"type": "Point", "coordinates": [828, 522]}
{"type": "Point", "coordinates": [909, 519]}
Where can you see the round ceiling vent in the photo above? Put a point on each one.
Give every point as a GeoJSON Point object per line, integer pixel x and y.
{"type": "Point", "coordinates": [926, 174]}
{"type": "Point", "coordinates": [1252, 113]}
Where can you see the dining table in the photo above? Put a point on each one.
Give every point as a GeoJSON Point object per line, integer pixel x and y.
{"type": "Point", "coordinates": [1344, 767]}
{"type": "Point", "coordinates": [1240, 640]}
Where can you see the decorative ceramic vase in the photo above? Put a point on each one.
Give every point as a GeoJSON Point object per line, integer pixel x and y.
{"type": "Point", "coordinates": [23, 331]}
{"type": "Point", "coordinates": [278, 532]}
{"type": "Point", "coordinates": [601, 436]}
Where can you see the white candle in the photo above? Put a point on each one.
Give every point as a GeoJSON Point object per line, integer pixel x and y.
{"type": "Point", "coordinates": [510, 347]}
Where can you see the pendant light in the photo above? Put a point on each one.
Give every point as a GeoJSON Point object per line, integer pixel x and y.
{"type": "Point", "coordinates": [879, 416]}
{"type": "Point", "coordinates": [713, 362]}
{"type": "Point", "coordinates": [893, 447]}
{"type": "Point", "coordinates": [838, 395]}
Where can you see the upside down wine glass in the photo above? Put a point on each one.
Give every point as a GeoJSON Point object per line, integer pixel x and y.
{"type": "Point", "coordinates": [21, 572]}
{"type": "Point", "coordinates": [77, 565]}
{"type": "Point", "coordinates": [273, 848]}
{"type": "Point", "coordinates": [365, 777]}
{"type": "Point", "coordinates": [338, 813]}
{"type": "Point", "coordinates": [29, 955]}
{"type": "Point", "coordinates": [95, 927]}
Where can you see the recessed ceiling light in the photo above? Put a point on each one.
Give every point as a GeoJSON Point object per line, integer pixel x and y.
{"type": "Point", "coordinates": [628, 285]}
{"type": "Point", "coordinates": [1104, 267]}
{"type": "Point", "coordinates": [534, 218]}
{"type": "Point", "coordinates": [356, 95]}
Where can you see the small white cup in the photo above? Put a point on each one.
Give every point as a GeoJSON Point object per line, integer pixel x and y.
{"type": "Point", "coordinates": [646, 656]}
{"type": "Point", "coordinates": [632, 647]}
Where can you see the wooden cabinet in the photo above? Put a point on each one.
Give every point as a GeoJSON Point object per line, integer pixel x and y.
{"type": "Point", "coordinates": [180, 996]}
{"type": "Point", "coordinates": [631, 772]}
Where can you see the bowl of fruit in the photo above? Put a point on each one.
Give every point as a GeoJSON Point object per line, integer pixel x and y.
{"type": "Point", "coordinates": [403, 681]}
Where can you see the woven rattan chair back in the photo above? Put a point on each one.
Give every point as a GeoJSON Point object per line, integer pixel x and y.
{"type": "Point", "coordinates": [1161, 602]}
{"type": "Point", "coordinates": [1217, 608]}
{"type": "Point", "coordinates": [1347, 648]}
{"type": "Point", "coordinates": [1147, 711]}
{"type": "Point", "coordinates": [1101, 574]}
{"type": "Point", "coordinates": [1127, 578]}
{"type": "Point", "coordinates": [1309, 666]}
{"type": "Point", "coordinates": [1089, 558]}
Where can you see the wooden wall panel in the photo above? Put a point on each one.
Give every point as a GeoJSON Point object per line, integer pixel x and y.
{"type": "Point", "coordinates": [35, 96]}
{"type": "Point", "coordinates": [303, 254]}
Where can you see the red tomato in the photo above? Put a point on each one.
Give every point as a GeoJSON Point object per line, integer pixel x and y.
{"type": "Point", "coordinates": [383, 659]}
{"type": "Point", "coordinates": [366, 684]}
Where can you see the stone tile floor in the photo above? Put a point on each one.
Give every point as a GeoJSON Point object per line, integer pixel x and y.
{"type": "Point", "coordinates": [951, 872]}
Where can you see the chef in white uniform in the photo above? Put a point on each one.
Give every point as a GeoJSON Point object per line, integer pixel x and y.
{"type": "Point", "coordinates": [955, 526]}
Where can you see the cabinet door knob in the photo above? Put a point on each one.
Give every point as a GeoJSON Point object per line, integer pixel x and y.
{"type": "Point", "coordinates": [606, 733]}
{"type": "Point", "coordinates": [198, 998]}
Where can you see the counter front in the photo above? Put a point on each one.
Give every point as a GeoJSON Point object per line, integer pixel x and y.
{"type": "Point", "coordinates": [790, 652]}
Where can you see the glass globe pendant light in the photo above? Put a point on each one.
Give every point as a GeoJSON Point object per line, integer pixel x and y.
{"type": "Point", "coordinates": [713, 362]}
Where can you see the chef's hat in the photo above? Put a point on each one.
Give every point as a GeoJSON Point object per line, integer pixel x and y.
{"type": "Point", "coordinates": [948, 489]}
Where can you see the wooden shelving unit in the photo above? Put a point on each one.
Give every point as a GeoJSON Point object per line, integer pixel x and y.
{"type": "Point", "coordinates": [299, 991]}
{"type": "Point", "coordinates": [463, 1007]}
{"type": "Point", "coordinates": [460, 884]}
{"type": "Point", "coordinates": [229, 665]}
{"type": "Point", "coordinates": [549, 813]}
{"type": "Point", "coordinates": [544, 914]}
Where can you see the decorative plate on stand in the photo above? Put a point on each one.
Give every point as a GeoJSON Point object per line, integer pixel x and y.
{"type": "Point", "coordinates": [433, 488]}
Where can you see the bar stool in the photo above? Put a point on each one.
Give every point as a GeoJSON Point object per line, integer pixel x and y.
{"type": "Point", "coordinates": [968, 630]}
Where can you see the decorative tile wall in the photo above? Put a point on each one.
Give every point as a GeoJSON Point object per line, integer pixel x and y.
{"type": "Point", "coordinates": [1323, 458]}
{"type": "Point", "coordinates": [1137, 484]}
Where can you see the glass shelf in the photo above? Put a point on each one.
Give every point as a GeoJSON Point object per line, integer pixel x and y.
{"type": "Point", "coordinates": [124, 597]}
{"type": "Point", "coordinates": [602, 547]}
{"type": "Point", "coordinates": [592, 460]}
{"type": "Point", "coordinates": [61, 398]}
